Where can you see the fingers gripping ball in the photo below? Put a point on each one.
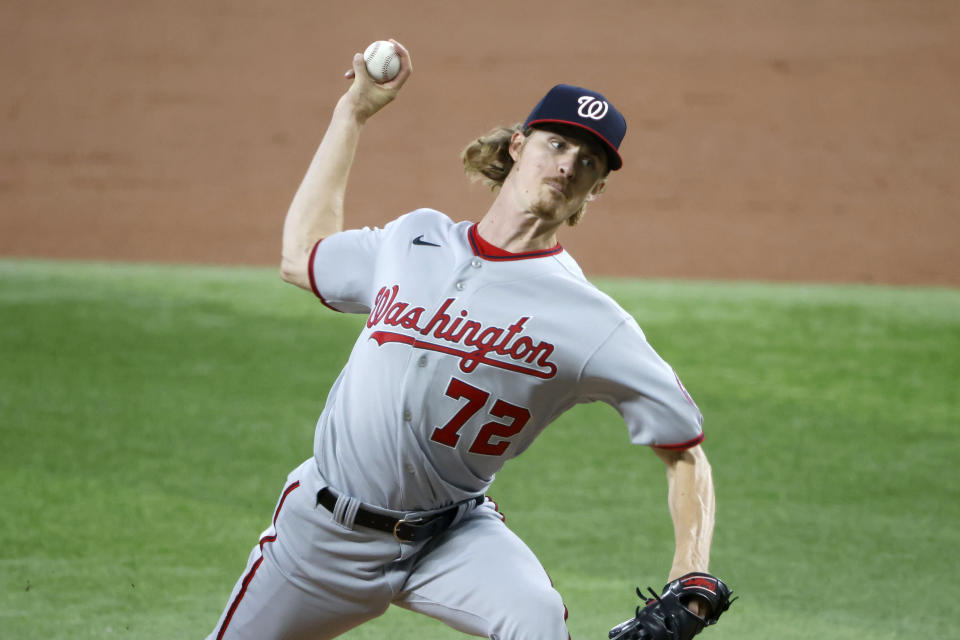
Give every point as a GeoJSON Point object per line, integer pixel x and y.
{"type": "Point", "coordinates": [666, 617]}
{"type": "Point", "coordinates": [383, 61]}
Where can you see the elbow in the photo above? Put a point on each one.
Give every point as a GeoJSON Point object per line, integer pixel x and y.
{"type": "Point", "coordinates": [288, 268]}
{"type": "Point", "coordinates": [295, 271]}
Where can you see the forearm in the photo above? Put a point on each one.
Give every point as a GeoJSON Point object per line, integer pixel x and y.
{"type": "Point", "coordinates": [692, 508]}
{"type": "Point", "coordinates": [317, 208]}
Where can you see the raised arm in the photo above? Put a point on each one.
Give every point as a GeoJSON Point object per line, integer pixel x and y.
{"type": "Point", "coordinates": [317, 208]}
{"type": "Point", "coordinates": [692, 508]}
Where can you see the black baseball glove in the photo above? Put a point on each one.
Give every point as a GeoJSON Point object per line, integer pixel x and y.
{"type": "Point", "coordinates": [666, 617]}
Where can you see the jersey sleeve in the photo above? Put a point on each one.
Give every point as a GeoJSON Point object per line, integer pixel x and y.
{"type": "Point", "coordinates": [342, 267]}
{"type": "Point", "coordinates": [628, 374]}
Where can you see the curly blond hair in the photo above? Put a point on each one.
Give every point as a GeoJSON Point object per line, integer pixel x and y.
{"type": "Point", "coordinates": [487, 160]}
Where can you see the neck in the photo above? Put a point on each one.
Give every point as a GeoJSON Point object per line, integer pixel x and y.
{"type": "Point", "coordinates": [516, 230]}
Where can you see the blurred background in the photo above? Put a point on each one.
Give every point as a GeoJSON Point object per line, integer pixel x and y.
{"type": "Point", "coordinates": [772, 140]}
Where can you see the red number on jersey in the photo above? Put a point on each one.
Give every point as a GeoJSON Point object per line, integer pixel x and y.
{"type": "Point", "coordinates": [500, 409]}
{"type": "Point", "coordinates": [449, 434]}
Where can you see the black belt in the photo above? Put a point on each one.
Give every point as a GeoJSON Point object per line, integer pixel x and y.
{"type": "Point", "coordinates": [403, 529]}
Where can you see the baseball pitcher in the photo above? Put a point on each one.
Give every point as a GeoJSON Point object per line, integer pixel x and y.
{"type": "Point", "coordinates": [477, 337]}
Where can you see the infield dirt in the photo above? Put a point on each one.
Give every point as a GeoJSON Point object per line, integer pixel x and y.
{"type": "Point", "coordinates": [779, 140]}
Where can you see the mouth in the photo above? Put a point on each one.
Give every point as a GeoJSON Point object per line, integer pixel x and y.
{"type": "Point", "coordinates": [560, 186]}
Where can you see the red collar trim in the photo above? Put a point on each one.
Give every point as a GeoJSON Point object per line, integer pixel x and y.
{"type": "Point", "coordinates": [487, 251]}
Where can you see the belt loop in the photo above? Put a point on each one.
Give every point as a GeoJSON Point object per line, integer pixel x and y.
{"type": "Point", "coordinates": [463, 509]}
{"type": "Point", "coordinates": [345, 511]}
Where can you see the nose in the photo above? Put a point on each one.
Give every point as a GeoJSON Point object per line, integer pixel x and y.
{"type": "Point", "coordinates": [566, 165]}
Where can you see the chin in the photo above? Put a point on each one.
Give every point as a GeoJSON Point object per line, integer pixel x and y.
{"type": "Point", "coordinates": [548, 213]}
{"type": "Point", "coordinates": [553, 212]}
{"type": "Point", "coordinates": [551, 209]}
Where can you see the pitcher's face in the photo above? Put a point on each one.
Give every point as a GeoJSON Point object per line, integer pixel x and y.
{"type": "Point", "coordinates": [556, 172]}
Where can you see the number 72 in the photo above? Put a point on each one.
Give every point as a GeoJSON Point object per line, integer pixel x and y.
{"type": "Point", "coordinates": [449, 434]}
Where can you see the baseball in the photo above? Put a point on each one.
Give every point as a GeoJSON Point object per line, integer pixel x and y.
{"type": "Point", "coordinates": [383, 62]}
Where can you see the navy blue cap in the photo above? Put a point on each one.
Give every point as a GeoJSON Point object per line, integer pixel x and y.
{"type": "Point", "coordinates": [579, 107]}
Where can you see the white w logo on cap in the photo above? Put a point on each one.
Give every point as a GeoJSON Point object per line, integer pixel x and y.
{"type": "Point", "coordinates": [591, 107]}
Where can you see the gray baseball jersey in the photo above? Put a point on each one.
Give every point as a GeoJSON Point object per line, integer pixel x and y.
{"type": "Point", "coordinates": [466, 355]}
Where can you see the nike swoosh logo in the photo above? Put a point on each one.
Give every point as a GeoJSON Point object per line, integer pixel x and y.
{"type": "Point", "coordinates": [420, 241]}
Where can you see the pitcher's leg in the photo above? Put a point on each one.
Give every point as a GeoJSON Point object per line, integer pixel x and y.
{"type": "Point", "coordinates": [480, 578]}
{"type": "Point", "coordinates": [266, 605]}
{"type": "Point", "coordinates": [308, 577]}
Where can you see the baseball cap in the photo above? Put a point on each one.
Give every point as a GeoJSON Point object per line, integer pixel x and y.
{"type": "Point", "coordinates": [579, 107]}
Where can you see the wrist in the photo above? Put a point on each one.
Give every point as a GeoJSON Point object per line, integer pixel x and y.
{"type": "Point", "coordinates": [350, 109]}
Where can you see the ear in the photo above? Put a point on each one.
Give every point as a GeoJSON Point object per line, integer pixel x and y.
{"type": "Point", "coordinates": [597, 190]}
{"type": "Point", "coordinates": [516, 141]}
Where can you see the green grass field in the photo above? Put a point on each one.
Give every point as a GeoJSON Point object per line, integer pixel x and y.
{"type": "Point", "coordinates": [149, 416]}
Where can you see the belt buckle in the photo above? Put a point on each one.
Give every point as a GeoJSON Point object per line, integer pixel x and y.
{"type": "Point", "coordinates": [415, 523]}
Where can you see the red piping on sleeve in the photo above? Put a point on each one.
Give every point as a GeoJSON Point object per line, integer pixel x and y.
{"type": "Point", "coordinates": [682, 445]}
{"type": "Point", "coordinates": [313, 280]}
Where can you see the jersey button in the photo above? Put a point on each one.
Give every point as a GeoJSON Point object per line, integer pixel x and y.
{"type": "Point", "coordinates": [407, 416]}
{"type": "Point", "coordinates": [422, 362]}
{"type": "Point", "coordinates": [476, 263]}
{"type": "Point", "coordinates": [460, 286]}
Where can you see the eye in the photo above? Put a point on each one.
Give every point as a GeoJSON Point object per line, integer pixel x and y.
{"type": "Point", "coordinates": [590, 161]}
{"type": "Point", "coordinates": [559, 145]}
